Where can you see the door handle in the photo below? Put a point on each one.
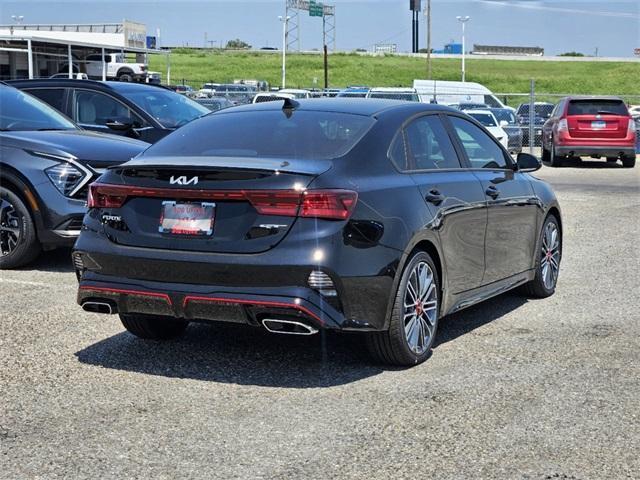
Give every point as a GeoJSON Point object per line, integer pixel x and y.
{"type": "Point", "coordinates": [435, 197]}
{"type": "Point", "coordinates": [492, 191]}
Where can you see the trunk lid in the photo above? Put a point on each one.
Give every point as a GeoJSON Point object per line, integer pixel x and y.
{"type": "Point", "coordinates": [597, 119]}
{"type": "Point", "coordinates": [240, 192]}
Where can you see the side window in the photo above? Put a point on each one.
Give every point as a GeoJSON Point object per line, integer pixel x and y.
{"type": "Point", "coordinates": [429, 146]}
{"type": "Point", "coordinates": [94, 108]}
{"type": "Point", "coordinates": [482, 150]}
{"type": "Point", "coordinates": [52, 96]}
{"type": "Point", "coordinates": [397, 152]}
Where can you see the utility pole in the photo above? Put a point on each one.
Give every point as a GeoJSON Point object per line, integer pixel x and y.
{"type": "Point", "coordinates": [464, 21]}
{"type": "Point", "coordinates": [428, 14]}
{"type": "Point", "coordinates": [284, 21]}
{"type": "Point", "coordinates": [325, 52]}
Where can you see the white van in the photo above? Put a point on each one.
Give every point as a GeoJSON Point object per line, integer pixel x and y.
{"type": "Point", "coordinates": [456, 93]}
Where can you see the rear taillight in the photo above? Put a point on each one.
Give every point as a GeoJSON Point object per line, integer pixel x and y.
{"type": "Point", "coordinates": [632, 127]}
{"type": "Point", "coordinates": [283, 203]}
{"type": "Point", "coordinates": [328, 204]}
{"type": "Point", "coordinates": [332, 204]}
{"type": "Point", "coordinates": [106, 196]}
{"type": "Point", "coordinates": [563, 125]}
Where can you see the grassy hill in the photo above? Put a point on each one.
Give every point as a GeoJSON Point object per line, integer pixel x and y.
{"type": "Point", "coordinates": [197, 67]}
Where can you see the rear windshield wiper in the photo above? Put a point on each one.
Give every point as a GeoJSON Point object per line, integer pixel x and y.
{"type": "Point", "coordinates": [607, 112]}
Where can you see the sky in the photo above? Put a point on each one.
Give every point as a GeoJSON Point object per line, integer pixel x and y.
{"type": "Point", "coordinates": [610, 26]}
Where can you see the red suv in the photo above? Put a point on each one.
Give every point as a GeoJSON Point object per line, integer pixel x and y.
{"type": "Point", "coordinates": [589, 126]}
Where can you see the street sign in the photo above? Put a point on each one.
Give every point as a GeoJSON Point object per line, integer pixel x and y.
{"type": "Point", "coordinates": [316, 9]}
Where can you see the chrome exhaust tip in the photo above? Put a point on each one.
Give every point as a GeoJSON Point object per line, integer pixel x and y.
{"type": "Point", "coordinates": [98, 307]}
{"type": "Point", "coordinates": [288, 327]}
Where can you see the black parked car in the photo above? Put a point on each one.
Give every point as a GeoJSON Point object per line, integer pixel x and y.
{"type": "Point", "coordinates": [145, 112]}
{"type": "Point", "coordinates": [509, 124]}
{"type": "Point", "coordinates": [542, 112]}
{"type": "Point", "coordinates": [369, 216]}
{"type": "Point", "coordinates": [46, 165]}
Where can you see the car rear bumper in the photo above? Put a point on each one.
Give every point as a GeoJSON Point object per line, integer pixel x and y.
{"type": "Point", "coordinates": [240, 288]}
{"type": "Point", "coordinates": [216, 304]}
{"type": "Point", "coordinates": [593, 150]}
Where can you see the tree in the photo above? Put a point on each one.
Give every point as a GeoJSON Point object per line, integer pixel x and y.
{"type": "Point", "coordinates": [571, 54]}
{"type": "Point", "coordinates": [237, 44]}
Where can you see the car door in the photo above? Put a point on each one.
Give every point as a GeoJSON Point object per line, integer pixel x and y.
{"type": "Point", "coordinates": [512, 204]}
{"type": "Point", "coordinates": [453, 195]}
{"type": "Point", "coordinates": [92, 110]}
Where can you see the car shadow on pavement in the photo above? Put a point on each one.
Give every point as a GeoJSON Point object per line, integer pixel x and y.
{"type": "Point", "coordinates": [58, 260]}
{"type": "Point", "coordinates": [240, 354]}
{"type": "Point", "coordinates": [231, 353]}
{"type": "Point", "coordinates": [468, 320]}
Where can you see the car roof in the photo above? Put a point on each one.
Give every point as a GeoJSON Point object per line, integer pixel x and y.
{"type": "Point", "coordinates": [354, 106]}
{"type": "Point", "coordinates": [593, 97]}
{"type": "Point", "coordinates": [392, 90]}
{"type": "Point", "coordinates": [93, 84]}
{"type": "Point", "coordinates": [479, 110]}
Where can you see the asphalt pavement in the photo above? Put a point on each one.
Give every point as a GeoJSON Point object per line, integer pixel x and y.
{"type": "Point", "coordinates": [515, 388]}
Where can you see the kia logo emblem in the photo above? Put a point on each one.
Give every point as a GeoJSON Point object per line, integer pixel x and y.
{"type": "Point", "coordinates": [182, 180]}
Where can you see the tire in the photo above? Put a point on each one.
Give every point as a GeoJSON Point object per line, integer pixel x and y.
{"type": "Point", "coordinates": [629, 162]}
{"type": "Point", "coordinates": [125, 76]}
{"type": "Point", "coordinates": [612, 159]}
{"type": "Point", "coordinates": [18, 240]}
{"type": "Point", "coordinates": [554, 160]}
{"type": "Point", "coordinates": [546, 155]}
{"type": "Point", "coordinates": [393, 346]}
{"type": "Point", "coordinates": [549, 255]}
{"type": "Point", "coordinates": [153, 327]}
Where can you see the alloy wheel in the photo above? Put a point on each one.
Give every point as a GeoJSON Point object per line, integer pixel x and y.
{"type": "Point", "coordinates": [550, 256]}
{"type": "Point", "coordinates": [420, 308]}
{"type": "Point", "coordinates": [10, 228]}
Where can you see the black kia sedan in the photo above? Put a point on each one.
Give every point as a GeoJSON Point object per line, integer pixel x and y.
{"type": "Point", "coordinates": [144, 112]}
{"type": "Point", "coordinates": [46, 165]}
{"type": "Point", "coordinates": [369, 216]}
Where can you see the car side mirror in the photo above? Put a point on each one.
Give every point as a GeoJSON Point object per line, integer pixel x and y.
{"type": "Point", "coordinates": [504, 123]}
{"type": "Point", "coordinates": [120, 124]}
{"type": "Point", "coordinates": [528, 163]}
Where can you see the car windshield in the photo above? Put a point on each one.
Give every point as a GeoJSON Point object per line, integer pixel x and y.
{"type": "Point", "coordinates": [504, 115]}
{"type": "Point", "coordinates": [169, 108]}
{"type": "Point", "coordinates": [20, 111]}
{"type": "Point", "coordinates": [597, 107]}
{"type": "Point", "coordinates": [485, 119]}
{"type": "Point", "coordinates": [306, 135]}
{"type": "Point", "coordinates": [352, 94]}
{"type": "Point", "coordinates": [407, 96]}
{"type": "Point", "coordinates": [541, 110]}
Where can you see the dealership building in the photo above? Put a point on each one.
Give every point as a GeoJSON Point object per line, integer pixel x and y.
{"type": "Point", "coordinates": [39, 51]}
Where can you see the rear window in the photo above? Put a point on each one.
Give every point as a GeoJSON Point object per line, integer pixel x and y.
{"type": "Point", "coordinates": [597, 107]}
{"type": "Point", "coordinates": [273, 133]}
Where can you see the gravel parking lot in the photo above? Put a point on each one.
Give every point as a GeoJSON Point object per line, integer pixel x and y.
{"type": "Point", "coordinates": [515, 389]}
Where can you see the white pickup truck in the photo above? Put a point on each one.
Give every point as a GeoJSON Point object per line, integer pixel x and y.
{"type": "Point", "coordinates": [117, 68]}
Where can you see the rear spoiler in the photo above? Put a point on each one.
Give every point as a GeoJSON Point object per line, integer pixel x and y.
{"type": "Point", "coordinates": [305, 167]}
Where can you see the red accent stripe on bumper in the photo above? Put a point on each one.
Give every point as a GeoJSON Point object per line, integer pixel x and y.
{"type": "Point", "coordinates": [128, 292]}
{"type": "Point", "coordinates": [259, 303]}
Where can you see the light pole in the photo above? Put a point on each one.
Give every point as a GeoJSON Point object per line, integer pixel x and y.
{"type": "Point", "coordinates": [284, 21]}
{"type": "Point", "coordinates": [463, 20]}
